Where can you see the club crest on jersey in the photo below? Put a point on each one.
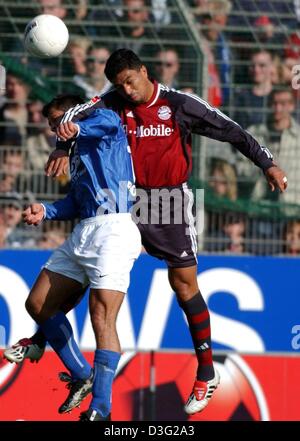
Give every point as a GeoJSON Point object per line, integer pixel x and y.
{"type": "Point", "coordinates": [164, 113]}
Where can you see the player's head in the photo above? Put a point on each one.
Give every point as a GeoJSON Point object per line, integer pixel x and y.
{"type": "Point", "coordinates": [54, 110]}
{"type": "Point", "coordinates": [126, 72]}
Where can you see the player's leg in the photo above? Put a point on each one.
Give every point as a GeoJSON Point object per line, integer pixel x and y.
{"type": "Point", "coordinates": [33, 348]}
{"type": "Point", "coordinates": [109, 276]}
{"type": "Point", "coordinates": [184, 283]}
{"type": "Point", "coordinates": [175, 242]}
{"type": "Point", "coordinates": [104, 308]}
{"type": "Point", "coordinates": [43, 305]}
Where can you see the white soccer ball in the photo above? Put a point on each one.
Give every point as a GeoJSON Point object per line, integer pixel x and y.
{"type": "Point", "coordinates": [46, 36]}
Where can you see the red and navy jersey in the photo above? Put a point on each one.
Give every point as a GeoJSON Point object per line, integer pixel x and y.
{"type": "Point", "coordinates": [159, 133]}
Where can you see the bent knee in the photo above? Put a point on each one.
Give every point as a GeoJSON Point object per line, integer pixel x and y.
{"type": "Point", "coordinates": [33, 307]}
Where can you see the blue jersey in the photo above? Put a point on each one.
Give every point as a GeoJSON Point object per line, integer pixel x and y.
{"type": "Point", "coordinates": [102, 180]}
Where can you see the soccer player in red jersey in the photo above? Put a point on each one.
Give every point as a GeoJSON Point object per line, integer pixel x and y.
{"type": "Point", "coordinates": [159, 123]}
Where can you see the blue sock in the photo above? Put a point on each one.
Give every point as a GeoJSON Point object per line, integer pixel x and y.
{"type": "Point", "coordinates": [59, 334]}
{"type": "Point", "coordinates": [105, 365]}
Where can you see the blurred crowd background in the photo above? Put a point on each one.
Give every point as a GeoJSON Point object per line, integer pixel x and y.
{"type": "Point", "coordinates": [242, 56]}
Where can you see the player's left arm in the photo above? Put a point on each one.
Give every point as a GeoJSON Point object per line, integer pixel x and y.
{"type": "Point", "coordinates": [58, 160]}
{"type": "Point", "coordinates": [62, 209]}
{"type": "Point", "coordinates": [100, 123]}
{"type": "Point", "coordinates": [205, 120]}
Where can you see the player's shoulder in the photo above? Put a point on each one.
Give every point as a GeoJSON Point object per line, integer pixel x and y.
{"type": "Point", "coordinates": [179, 97]}
{"type": "Point", "coordinates": [174, 96]}
{"type": "Point", "coordinates": [112, 100]}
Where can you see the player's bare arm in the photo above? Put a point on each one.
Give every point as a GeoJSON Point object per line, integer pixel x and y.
{"type": "Point", "coordinates": [34, 214]}
{"type": "Point", "coordinates": [276, 178]}
{"type": "Point", "coordinates": [58, 161]}
{"type": "Point", "coordinates": [67, 130]}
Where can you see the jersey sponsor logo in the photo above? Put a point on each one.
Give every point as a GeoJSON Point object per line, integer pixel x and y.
{"type": "Point", "coordinates": [164, 113]}
{"type": "Point", "coordinates": [143, 132]}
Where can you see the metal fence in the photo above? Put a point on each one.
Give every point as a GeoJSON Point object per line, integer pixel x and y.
{"type": "Point", "coordinates": [239, 55]}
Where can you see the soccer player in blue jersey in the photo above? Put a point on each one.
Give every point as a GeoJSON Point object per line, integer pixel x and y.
{"type": "Point", "coordinates": [100, 251]}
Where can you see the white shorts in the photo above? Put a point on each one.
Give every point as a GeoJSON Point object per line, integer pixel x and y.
{"type": "Point", "coordinates": [100, 252]}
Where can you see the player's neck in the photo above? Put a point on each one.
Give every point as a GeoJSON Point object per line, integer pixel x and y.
{"type": "Point", "coordinates": [150, 90]}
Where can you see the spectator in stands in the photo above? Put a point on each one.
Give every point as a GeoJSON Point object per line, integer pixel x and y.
{"type": "Point", "coordinates": [53, 7]}
{"type": "Point", "coordinates": [225, 232]}
{"type": "Point", "coordinates": [251, 104]}
{"type": "Point", "coordinates": [39, 143]}
{"type": "Point", "coordinates": [214, 92]}
{"type": "Point", "coordinates": [161, 13]}
{"type": "Point", "coordinates": [13, 114]}
{"type": "Point", "coordinates": [95, 81]}
{"type": "Point", "coordinates": [292, 238]}
{"type": "Point", "coordinates": [167, 67]}
{"type": "Point", "coordinates": [212, 25]}
{"type": "Point", "coordinates": [291, 56]}
{"type": "Point", "coordinates": [265, 31]}
{"type": "Point", "coordinates": [281, 134]}
{"type": "Point", "coordinates": [52, 237]}
{"type": "Point", "coordinates": [10, 218]}
{"type": "Point", "coordinates": [10, 170]}
{"type": "Point", "coordinates": [2, 232]}
{"type": "Point", "coordinates": [77, 50]}
{"type": "Point", "coordinates": [245, 12]}
{"type": "Point", "coordinates": [223, 180]}
{"type": "Point", "coordinates": [136, 15]}
{"type": "Point", "coordinates": [41, 140]}
{"type": "Point", "coordinates": [81, 9]}
{"type": "Point", "coordinates": [278, 72]}
{"type": "Point", "coordinates": [200, 6]}
{"type": "Point", "coordinates": [110, 14]}
{"type": "Point", "coordinates": [234, 229]}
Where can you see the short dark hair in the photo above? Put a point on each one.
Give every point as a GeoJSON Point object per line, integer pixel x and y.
{"type": "Point", "coordinates": [119, 60]}
{"type": "Point", "coordinates": [281, 89]}
{"type": "Point", "coordinates": [62, 102]}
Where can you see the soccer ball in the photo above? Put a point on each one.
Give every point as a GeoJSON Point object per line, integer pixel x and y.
{"type": "Point", "coordinates": [46, 36]}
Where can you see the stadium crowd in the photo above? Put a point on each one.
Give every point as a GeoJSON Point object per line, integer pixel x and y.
{"type": "Point", "coordinates": [250, 48]}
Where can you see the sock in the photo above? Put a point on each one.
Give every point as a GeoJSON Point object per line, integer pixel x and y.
{"type": "Point", "coordinates": [58, 331]}
{"type": "Point", "coordinates": [199, 323]}
{"type": "Point", "coordinates": [105, 365]}
{"type": "Point", "coordinates": [38, 338]}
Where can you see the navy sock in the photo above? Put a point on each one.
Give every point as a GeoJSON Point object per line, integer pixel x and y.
{"type": "Point", "coordinates": [59, 334]}
{"type": "Point", "coordinates": [105, 366]}
{"type": "Point", "coordinates": [197, 315]}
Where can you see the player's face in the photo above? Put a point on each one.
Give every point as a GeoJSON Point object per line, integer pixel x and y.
{"type": "Point", "coordinates": [54, 117]}
{"type": "Point", "coordinates": [134, 85]}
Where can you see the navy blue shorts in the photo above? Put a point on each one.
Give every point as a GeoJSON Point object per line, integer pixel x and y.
{"type": "Point", "coordinates": [167, 229]}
